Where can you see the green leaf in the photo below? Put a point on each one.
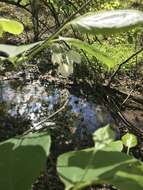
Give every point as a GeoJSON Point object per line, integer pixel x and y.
{"type": "Point", "coordinates": [11, 26]}
{"type": "Point", "coordinates": [92, 51]}
{"type": "Point", "coordinates": [1, 31]}
{"type": "Point", "coordinates": [114, 146]}
{"type": "Point", "coordinates": [129, 140]}
{"type": "Point", "coordinates": [22, 159]}
{"type": "Point", "coordinates": [73, 57]}
{"type": "Point", "coordinates": [66, 66]}
{"type": "Point", "coordinates": [57, 58]}
{"type": "Point", "coordinates": [103, 136]}
{"type": "Point", "coordinates": [116, 51]}
{"type": "Point", "coordinates": [108, 22]}
{"type": "Point", "coordinates": [65, 69]}
{"type": "Point", "coordinates": [65, 59]}
{"type": "Point", "coordinates": [24, 2]}
{"type": "Point", "coordinates": [13, 50]}
{"type": "Point", "coordinates": [79, 169]}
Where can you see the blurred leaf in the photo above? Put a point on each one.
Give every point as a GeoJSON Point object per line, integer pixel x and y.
{"type": "Point", "coordinates": [103, 136]}
{"type": "Point", "coordinates": [73, 57]}
{"type": "Point", "coordinates": [66, 66]}
{"type": "Point", "coordinates": [65, 69]}
{"type": "Point", "coordinates": [13, 50]}
{"type": "Point", "coordinates": [22, 159]}
{"type": "Point", "coordinates": [129, 140]}
{"type": "Point", "coordinates": [1, 31]}
{"type": "Point", "coordinates": [108, 22]}
{"type": "Point", "coordinates": [92, 51]}
{"type": "Point", "coordinates": [21, 2]}
{"type": "Point", "coordinates": [24, 2]}
{"type": "Point", "coordinates": [83, 168]}
{"type": "Point", "coordinates": [117, 51]}
{"type": "Point", "coordinates": [57, 58]}
{"type": "Point", "coordinates": [11, 26]}
{"type": "Point", "coordinates": [114, 146]}
{"type": "Point", "coordinates": [66, 60]}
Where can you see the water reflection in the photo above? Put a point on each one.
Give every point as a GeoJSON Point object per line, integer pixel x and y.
{"type": "Point", "coordinates": [35, 102]}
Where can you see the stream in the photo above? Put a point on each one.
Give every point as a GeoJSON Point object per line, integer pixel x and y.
{"type": "Point", "coordinates": [35, 102]}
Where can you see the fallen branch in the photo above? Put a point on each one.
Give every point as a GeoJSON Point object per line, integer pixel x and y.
{"type": "Point", "coordinates": [127, 97]}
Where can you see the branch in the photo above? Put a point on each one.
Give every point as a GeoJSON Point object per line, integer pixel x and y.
{"type": "Point", "coordinates": [44, 44]}
{"type": "Point", "coordinates": [46, 119]}
{"type": "Point", "coordinates": [121, 64]}
{"type": "Point", "coordinates": [53, 11]}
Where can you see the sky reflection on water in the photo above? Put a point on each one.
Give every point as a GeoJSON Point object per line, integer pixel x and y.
{"type": "Point", "coordinates": [34, 102]}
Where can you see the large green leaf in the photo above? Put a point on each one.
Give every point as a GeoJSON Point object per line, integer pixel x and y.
{"type": "Point", "coordinates": [22, 160]}
{"type": "Point", "coordinates": [92, 51]}
{"type": "Point", "coordinates": [11, 26]}
{"type": "Point", "coordinates": [108, 21]}
{"type": "Point", "coordinates": [79, 169]}
{"type": "Point", "coordinates": [13, 50]}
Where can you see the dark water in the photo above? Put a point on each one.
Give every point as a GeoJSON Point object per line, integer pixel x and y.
{"type": "Point", "coordinates": [36, 102]}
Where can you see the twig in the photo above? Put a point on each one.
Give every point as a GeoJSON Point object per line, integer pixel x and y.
{"type": "Point", "coordinates": [120, 65]}
{"type": "Point", "coordinates": [53, 11]}
{"type": "Point", "coordinates": [115, 109]}
{"type": "Point", "coordinates": [127, 97]}
{"type": "Point", "coordinates": [46, 119]}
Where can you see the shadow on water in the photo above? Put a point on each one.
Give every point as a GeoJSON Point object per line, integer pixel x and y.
{"type": "Point", "coordinates": [33, 102]}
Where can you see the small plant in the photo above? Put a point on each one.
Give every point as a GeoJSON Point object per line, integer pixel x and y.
{"type": "Point", "coordinates": [104, 163]}
{"type": "Point", "coordinates": [130, 141]}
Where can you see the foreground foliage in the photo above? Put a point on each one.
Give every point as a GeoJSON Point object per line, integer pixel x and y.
{"type": "Point", "coordinates": [22, 160]}
{"type": "Point", "coordinates": [104, 163]}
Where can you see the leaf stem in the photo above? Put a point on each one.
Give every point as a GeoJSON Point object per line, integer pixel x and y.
{"type": "Point", "coordinates": [128, 150]}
